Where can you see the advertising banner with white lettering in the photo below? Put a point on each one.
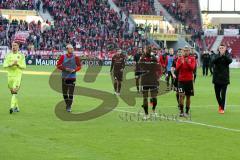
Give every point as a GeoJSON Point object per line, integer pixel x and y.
{"type": "Point", "coordinates": [3, 51]}
{"type": "Point", "coordinates": [235, 63]}
{"type": "Point", "coordinates": [231, 32]}
{"type": "Point", "coordinates": [53, 62]}
{"type": "Point", "coordinates": [85, 62]}
{"type": "Point", "coordinates": [210, 32]}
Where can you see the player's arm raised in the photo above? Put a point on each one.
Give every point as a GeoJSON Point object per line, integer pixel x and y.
{"type": "Point", "coordinates": [22, 62]}
{"type": "Point", "coordinates": [6, 63]}
{"type": "Point", "coordinates": [192, 64]}
{"type": "Point", "coordinates": [179, 64]}
{"type": "Point", "coordinates": [228, 59]}
{"type": "Point", "coordinates": [59, 63]}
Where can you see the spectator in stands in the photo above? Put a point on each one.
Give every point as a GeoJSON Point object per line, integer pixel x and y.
{"type": "Point", "coordinates": [17, 4]}
{"type": "Point", "coordinates": [137, 6]}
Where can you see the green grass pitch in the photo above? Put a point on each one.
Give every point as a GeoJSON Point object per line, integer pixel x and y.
{"type": "Point", "coordinates": [37, 134]}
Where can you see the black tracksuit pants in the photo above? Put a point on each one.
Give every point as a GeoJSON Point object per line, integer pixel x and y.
{"type": "Point", "coordinates": [220, 92]}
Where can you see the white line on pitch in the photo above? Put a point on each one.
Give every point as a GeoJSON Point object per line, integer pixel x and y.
{"type": "Point", "coordinates": [192, 122]}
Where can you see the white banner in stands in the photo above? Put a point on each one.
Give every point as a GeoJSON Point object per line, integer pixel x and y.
{"type": "Point", "coordinates": [235, 63]}
{"type": "Point", "coordinates": [210, 32]}
{"type": "Point", "coordinates": [231, 32]}
{"type": "Point", "coordinates": [3, 50]}
{"type": "Point", "coordinates": [21, 36]}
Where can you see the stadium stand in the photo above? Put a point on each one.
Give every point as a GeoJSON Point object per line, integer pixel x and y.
{"type": "Point", "coordinates": [3, 31]}
{"type": "Point", "coordinates": [88, 26]}
{"type": "Point", "coordinates": [233, 43]}
{"type": "Point", "coordinates": [9, 29]}
{"type": "Point", "coordinates": [188, 13]}
{"type": "Point", "coordinates": [145, 7]}
{"type": "Point", "coordinates": [17, 4]}
{"type": "Point", "coordinates": [210, 41]}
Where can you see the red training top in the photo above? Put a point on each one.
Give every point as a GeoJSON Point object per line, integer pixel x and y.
{"type": "Point", "coordinates": [185, 67]}
{"type": "Point", "coordinates": [61, 59]}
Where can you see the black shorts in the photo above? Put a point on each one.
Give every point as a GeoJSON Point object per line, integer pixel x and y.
{"type": "Point", "coordinates": [118, 76]}
{"type": "Point", "coordinates": [68, 81]}
{"type": "Point", "coordinates": [68, 86]}
{"type": "Point", "coordinates": [153, 89]}
{"type": "Point", "coordinates": [138, 74]}
{"type": "Point", "coordinates": [186, 88]}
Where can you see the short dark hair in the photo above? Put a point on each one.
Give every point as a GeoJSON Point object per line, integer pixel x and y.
{"type": "Point", "coordinates": [16, 42]}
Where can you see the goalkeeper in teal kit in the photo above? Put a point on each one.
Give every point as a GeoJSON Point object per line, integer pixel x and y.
{"type": "Point", "coordinates": [14, 63]}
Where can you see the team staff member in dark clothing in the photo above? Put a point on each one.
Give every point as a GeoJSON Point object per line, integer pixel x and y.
{"type": "Point", "coordinates": [185, 67]}
{"type": "Point", "coordinates": [69, 64]}
{"type": "Point", "coordinates": [221, 62]}
{"type": "Point", "coordinates": [117, 67]}
{"type": "Point", "coordinates": [151, 71]}
{"type": "Point", "coordinates": [137, 57]}
{"type": "Point", "coordinates": [205, 63]}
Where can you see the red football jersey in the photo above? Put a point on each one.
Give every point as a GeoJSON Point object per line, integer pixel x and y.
{"type": "Point", "coordinates": [185, 67]}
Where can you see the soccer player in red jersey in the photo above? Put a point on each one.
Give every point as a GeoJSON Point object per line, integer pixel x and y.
{"type": "Point", "coordinates": [185, 67]}
{"type": "Point", "coordinates": [69, 64]}
{"type": "Point", "coordinates": [151, 71]}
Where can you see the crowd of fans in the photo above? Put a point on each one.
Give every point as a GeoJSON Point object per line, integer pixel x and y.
{"type": "Point", "coordinates": [145, 7]}
{"type": "Point", "coordinates": [90, 25]}
{"type": "Point", "coordinates": [17, 4]}
{"type": "Point", "coordinates": [189, 17]}
{"type": "Point", "coordinates": [184, 14]}
{"type": "Point", "coordinates": [8, 31]}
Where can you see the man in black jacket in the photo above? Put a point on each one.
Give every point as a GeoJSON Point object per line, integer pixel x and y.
{"type": "Point", "coordinates": [221, 62]}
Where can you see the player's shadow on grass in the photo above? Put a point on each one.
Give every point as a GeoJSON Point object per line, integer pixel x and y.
{"type": "Point", "coordinates": [129, 96]}
{"type": "Point", "coordinates": [110, 101]}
